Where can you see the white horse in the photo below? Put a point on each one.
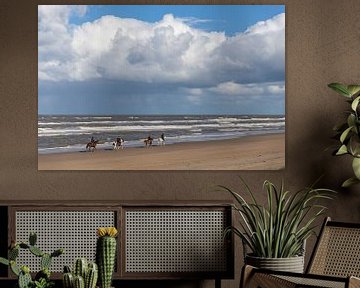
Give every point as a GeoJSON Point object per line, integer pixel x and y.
{"type": "Point", "coordinates": [161, 141]}
{"type": "Point", "coordinates": [118, 144]}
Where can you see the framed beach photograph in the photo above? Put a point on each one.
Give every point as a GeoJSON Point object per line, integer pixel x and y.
{"type": "Point", "coordinates": [161, 87]}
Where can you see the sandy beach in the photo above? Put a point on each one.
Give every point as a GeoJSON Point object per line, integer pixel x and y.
{"type": "Point", "coordinates": [264, 152]}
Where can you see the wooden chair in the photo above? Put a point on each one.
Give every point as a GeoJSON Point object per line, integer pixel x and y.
{"type": "Point", "coordinates": [334, 263]}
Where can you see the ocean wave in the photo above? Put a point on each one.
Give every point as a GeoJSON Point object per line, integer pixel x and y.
{"type": "Point", "coordinates": [125, 128]}
{"type": "Point", "coordinates": [222, 120]}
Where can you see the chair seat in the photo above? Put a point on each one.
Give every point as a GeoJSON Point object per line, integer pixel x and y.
{"type": "Point", "coordinates": [268, 279]}
{"type": "Point", "coordinates": [315, 282]}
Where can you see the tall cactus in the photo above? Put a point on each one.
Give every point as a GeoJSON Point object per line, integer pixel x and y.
{"type": "Point", "coordinates": [106, 254]}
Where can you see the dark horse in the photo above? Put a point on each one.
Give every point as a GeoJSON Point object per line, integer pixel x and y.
{"type": "Point", "coordinates": [91, 146]}
{"type": "Point", "coordinates": [148, 141]}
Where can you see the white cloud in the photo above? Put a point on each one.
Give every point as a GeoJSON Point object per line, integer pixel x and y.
{"type": "Point", "coordinates": [168, 51]}
{"type": "Point", "coordinates": [235, 89]}
{"type": "Point", "coordinates": [231, 88]}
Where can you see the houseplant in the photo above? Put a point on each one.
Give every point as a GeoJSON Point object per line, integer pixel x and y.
{"type": "Point", "coordinates": [348, 132]}
{"type": "Point", "coordinates": [106, 254]}
{"type": "Point", "coordinates": [276, 233]}
{"type": "Point", "coordinates": [42, 278]}
{"type": "Point", "coordinates": [84, 274]}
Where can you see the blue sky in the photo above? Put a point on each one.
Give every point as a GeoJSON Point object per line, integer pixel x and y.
{"type": "Point", "coordinates": [170, 59]}
{"type": "Point", "coordinates": [228, 18]}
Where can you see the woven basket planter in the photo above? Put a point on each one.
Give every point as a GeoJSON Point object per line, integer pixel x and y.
{"type": "Point", "coordinates": [291, 264]}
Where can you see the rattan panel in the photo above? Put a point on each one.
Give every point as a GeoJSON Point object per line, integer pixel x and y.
{"type": "Point", "coordinates": [312, 282]}
{"type": "Point", "coordinates": [338, 253]}
{"type": "Point", "coordinates": [175, 241]}
{"type": "Point", "coordinates": [75, 231]}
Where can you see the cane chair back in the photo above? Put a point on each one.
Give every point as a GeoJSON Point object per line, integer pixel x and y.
{"type": "Point", "coordinates": [337, 252]}
{"type": "Point", "coordinates": [335, 262]}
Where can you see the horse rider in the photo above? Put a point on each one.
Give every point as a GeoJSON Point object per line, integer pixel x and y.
{"type": "Point", "coordinates": [162, 136]}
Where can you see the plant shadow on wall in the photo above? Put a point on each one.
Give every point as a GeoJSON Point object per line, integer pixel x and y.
{"type": "Point", "coordinates": [276, 232]}
{"type": "Point", "coordinates": [348, 132]}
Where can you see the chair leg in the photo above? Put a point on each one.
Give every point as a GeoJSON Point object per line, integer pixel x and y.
{"type": "Point", "coordinates": [246, 273]}
{"type": "Point", "coordinates": [217, 283]}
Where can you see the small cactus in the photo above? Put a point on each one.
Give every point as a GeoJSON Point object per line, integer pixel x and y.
{"type": "Point", "coordinates": [45, 261]}
{"type": "Point", "coordinates": [106, 254]}
{"type": "Point", "coordinates": [36, 251]}
{"type": "Point", "coordinates": [91, 276]}
{"type": "Point", "coordinates": [68, 280]}
{"type": "Point", "coordinates": [44, 273]}
{"type": "Point", "coordinates": [57, 252]}
{"type": "Point", "coordinates": [90, 272]}
{"type": "Point", "coordinates": [32, 239]}
{"type": "Point", "coordinates": [14, 268]}
{"type": "Point", "coordinates": [79, 282]}
{"type": "Point", "coordinates": [24, 278]}
{"type": "Point", "coordinates": [13, 253]}
{"type": "Point", "coordinates": [80, 268]}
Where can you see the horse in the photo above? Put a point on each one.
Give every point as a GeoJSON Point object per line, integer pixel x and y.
{"type": "Point", "coordinates": [119, 143]}
{"type": "Point", "coordinates": [148, 142]}
{"type": "Point", "coordinates": [91, 146]}
{"type": "Point", "coordinates": [161, 141]}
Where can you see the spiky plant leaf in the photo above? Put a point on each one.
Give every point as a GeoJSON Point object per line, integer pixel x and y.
{"type": "Point", "coordinates": [279, 228]}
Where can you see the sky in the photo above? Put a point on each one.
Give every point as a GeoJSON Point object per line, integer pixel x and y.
{"type": "Point", "coordinates": [161, 59]}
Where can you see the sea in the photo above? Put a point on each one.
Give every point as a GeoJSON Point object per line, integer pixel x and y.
{"type": "Point", "coordinates": [70, 133]}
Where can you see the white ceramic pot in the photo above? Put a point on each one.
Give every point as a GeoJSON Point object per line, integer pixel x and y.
{"type": "Point", "coordinates": [291, 264]}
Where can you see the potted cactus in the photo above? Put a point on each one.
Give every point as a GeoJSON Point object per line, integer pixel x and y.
{"type": "Point", "coordinates": [85, 275]}
{"type": "Point", "coordinates": [42, 278]}
{"type": "Point", "coordinates": [106, 254]}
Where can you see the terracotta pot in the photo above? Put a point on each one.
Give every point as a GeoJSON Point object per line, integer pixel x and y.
{"type": "Point", "coordinates": [291, 264]}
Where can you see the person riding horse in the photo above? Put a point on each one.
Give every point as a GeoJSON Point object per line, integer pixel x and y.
{"type": "Point", "coordinates": [119, 143]}
{"type": "Point", "coordinates": [148, 141]}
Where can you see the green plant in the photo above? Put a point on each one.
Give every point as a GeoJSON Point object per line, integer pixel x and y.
{"type": "Point", "coordinates": [42, 278]}
{"type": "Point", "coordinates": [348, 132]}
{"type": "Point", "coordinates": [279, 229]}
{"type": "Point", "coordinates": [43, 283]}
{"type": "Point", "coordinates": [85, 275]}
{"type": "Point", "coordinates": [105, 254]}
